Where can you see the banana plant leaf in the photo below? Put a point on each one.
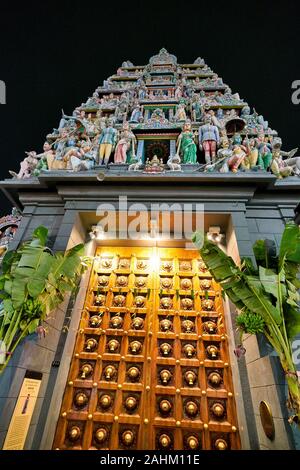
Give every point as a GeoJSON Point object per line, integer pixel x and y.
{"type": "Point", "coordinates": [67, 264]}
{"type": "Point", "coordinates": [41, 233]}
{"type": "Point", "coordinates": [268, 298]}
{"type": "Point", "coordinates": [292, 321]}
{"type": "Point", "coordinates": [290, 244]}
{"type": "Point", "coordinates": [29, 276]}
{"type": "Point", "coordinates": [265, 253]}
{"type": "Point", "coordinates": [33, 283]}
{"type": "Point", "coordinates": [244, 291]}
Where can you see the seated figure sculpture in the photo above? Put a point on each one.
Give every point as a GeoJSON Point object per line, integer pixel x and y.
{"type": "Point", "coordinates": [264, 151]}
{"type": "Point", "coordinates": [284, 167]}
{"type": "Point", "coordinates": [180, 113]}
{"type": "Point", "coordinates": [34, 163]}
{"type": "Point", "coordinates": [83, 160]}
{"type": "Point", "coordinates": [27, 166]}
{"type": "Point", "coordinates": [174, 163]}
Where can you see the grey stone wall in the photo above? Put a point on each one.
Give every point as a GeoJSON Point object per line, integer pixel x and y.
{"type": "Point", "coordinates": [250, 218]}
{"type": "Point", "coordinates": [264, 371]}
{"type": "Point", "coordinates": [34, 353]}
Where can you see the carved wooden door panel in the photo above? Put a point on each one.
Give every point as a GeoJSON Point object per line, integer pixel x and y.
{"type": "Point", "coordinates": [150, 368]}
{"type": "Point", "coordinates": [192, 405]}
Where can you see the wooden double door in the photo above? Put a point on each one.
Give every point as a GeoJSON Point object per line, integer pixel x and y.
{"type": "Point", "coordinates": [150, 368]}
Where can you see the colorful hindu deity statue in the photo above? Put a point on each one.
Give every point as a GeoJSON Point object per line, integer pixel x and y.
{"type": "Point", "coordinates": [107, 142]}
{"type": "Point", "coordinates": [137, 114]}
{"type": "Point", "coordinates": [196, 108]}
{"type": "Point", "coordinates": [284, 167]}
{"type": "Point", "coordinates": [264, 151]}
{"type": "Point", "coordinates": [186, 144]}
{"type": "Point", "coordinates": [126, 143]}
{"type": "Point", "coordinates": [180, 113]}
{"type": "Point", "coordinates": [250, 161]}
{"type": "Point", "coordinates": [209, 139]}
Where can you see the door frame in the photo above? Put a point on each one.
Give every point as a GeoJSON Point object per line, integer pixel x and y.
{"type": "Point", "coordinates": [60, 380]}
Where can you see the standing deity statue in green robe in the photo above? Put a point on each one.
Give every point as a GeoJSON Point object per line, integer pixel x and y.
{"type": "Point", "coordinates": [186, 145]}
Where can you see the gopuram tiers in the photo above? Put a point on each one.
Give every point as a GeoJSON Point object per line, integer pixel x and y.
{"type": "Point", "coordinates": [163, 117]}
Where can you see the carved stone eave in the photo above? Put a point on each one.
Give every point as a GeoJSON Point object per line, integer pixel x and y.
{"type": "Point", "coordinates": [56, 187]}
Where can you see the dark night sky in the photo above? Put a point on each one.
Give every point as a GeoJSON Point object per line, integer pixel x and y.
{"type": "Point", "coordinates": [54, 54]}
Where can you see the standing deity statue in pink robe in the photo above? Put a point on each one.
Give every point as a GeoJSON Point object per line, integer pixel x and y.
{"type": "Point", "coordinates": [127, 142]}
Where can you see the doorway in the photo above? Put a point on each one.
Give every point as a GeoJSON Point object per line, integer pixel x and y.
{"type": "Point", "coordinates": [150, 368]}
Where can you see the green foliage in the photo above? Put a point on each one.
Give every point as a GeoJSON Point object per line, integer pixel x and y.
{"type": "Point", "coordinates": [265, 253]}
{"type": "Point", "coordinates": [33, 283]}
{"type": "Point", "coordinates": [250, 323]}
{"type": "Point", "coordinates": [290, 245]}
{"type": "Point", "coordinates": [267, 296]}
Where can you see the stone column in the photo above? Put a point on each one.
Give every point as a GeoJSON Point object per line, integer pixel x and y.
{"type": "Point", "coordinates": [140, 149]}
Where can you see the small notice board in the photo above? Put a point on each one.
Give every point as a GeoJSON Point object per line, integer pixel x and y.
{"type": "Point", "coordinates": [22, 415]}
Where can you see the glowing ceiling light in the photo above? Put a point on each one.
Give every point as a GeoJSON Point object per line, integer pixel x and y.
{"type": "Point", "coordinates": [154, 262]}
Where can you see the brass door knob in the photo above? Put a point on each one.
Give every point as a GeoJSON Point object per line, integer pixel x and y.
{"type": "Point", "coordinates": [207, 304]}
{"type": "Point", "coordinates": [127, 438]}
{"type": "Point", "coordinates": [119, 300]}
{"type": "Point", "coordinates": [109, 372]}
{"type": "Point", "coordinates": [167, 266]}
{"type": "Point", "coordinates": [166, 303]}
{"type": "Point", "coordinates": [166, 283]}
{"type": "Point", "coordinates": [135, 347]}
{"type": "Point", "coordinates": [116, 321]}
{"type": "Point", "coordinates": [205, 284]}
{"type": "Point", "coordinates": [165, 376]}
{"type": "Point", "coordinates": [140, 301]}
{"type": "Point", "coordinates": [99, 300]}
{"type": "Point", "coordinates": [191, 408]}
{"type": "Point", "coordinates": [141, 264]}
{"type": "Point", "coordinates": [103, 281]}
{"type": "Point", "coordinates": [188, 326]}
{"type": "Point", "coordinates": [137, 323]}
{"type": "Point", "coordinates": [190, 377]}
{"type": "Point", "coordinates": [187, 303]}
{"type": "Point", "coordinates": [140, 281]}
{"type": "Point", "coordinates": [202, 266]}
{"type": "Point", "coordinates": [86, 370]}
{"type": "Point", "coordinates": [192, 442]}
{"type": "Point", "coordinates": [95, 321]}
{"type": "Point", "coordinates": [122, 281]}
{"type": "Point", "coordinates": [189, 350]}
{"type": "Point", "coordinates": [221, 444]}
{"type": "Point", "coordinates": [74, 433]}
{"type": "Point", "coordinates": [214, 378]}
{"type": "Point", "coordinates": [80, 399]}
{"type": "Point", "coordinates": [165, 406]}
{"type": "Point", "coordinates": [113, 345]}
{"type": "Point", "coordinates": [106, 263]}
{"type": "Point", "coordinates": [124, 264]}
{"type": "Point", "coordinates": [212, 351]}
{"type": "Point", "coordinates": [105, 401]}
{"type": "Point", "coordinates": [91, 344]}
{"type": "Point", "coordinates": [218, 410]}
{"type": "Point", "coordinates": [133, 373]}
{"type": "Point", "coordinates": [165, 349]}
{"type": "Point", "coordinates": [131, 403]}
{"type": "Point", "coordinates": [210, 327]}
{"type": "Point", "coordinates": [164, 441]}
{"type": "Point", "coordinates": [165, 325]}
{"type": "Point", "coordinates": [185, 266]}
{"type": "Point", "coordinates": [186, 284]}
{"type": "Point", "coordinates": [101, 435]}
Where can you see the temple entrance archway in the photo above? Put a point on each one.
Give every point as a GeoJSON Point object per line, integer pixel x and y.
{"type": "Point", "coordinates": [150, 368]}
